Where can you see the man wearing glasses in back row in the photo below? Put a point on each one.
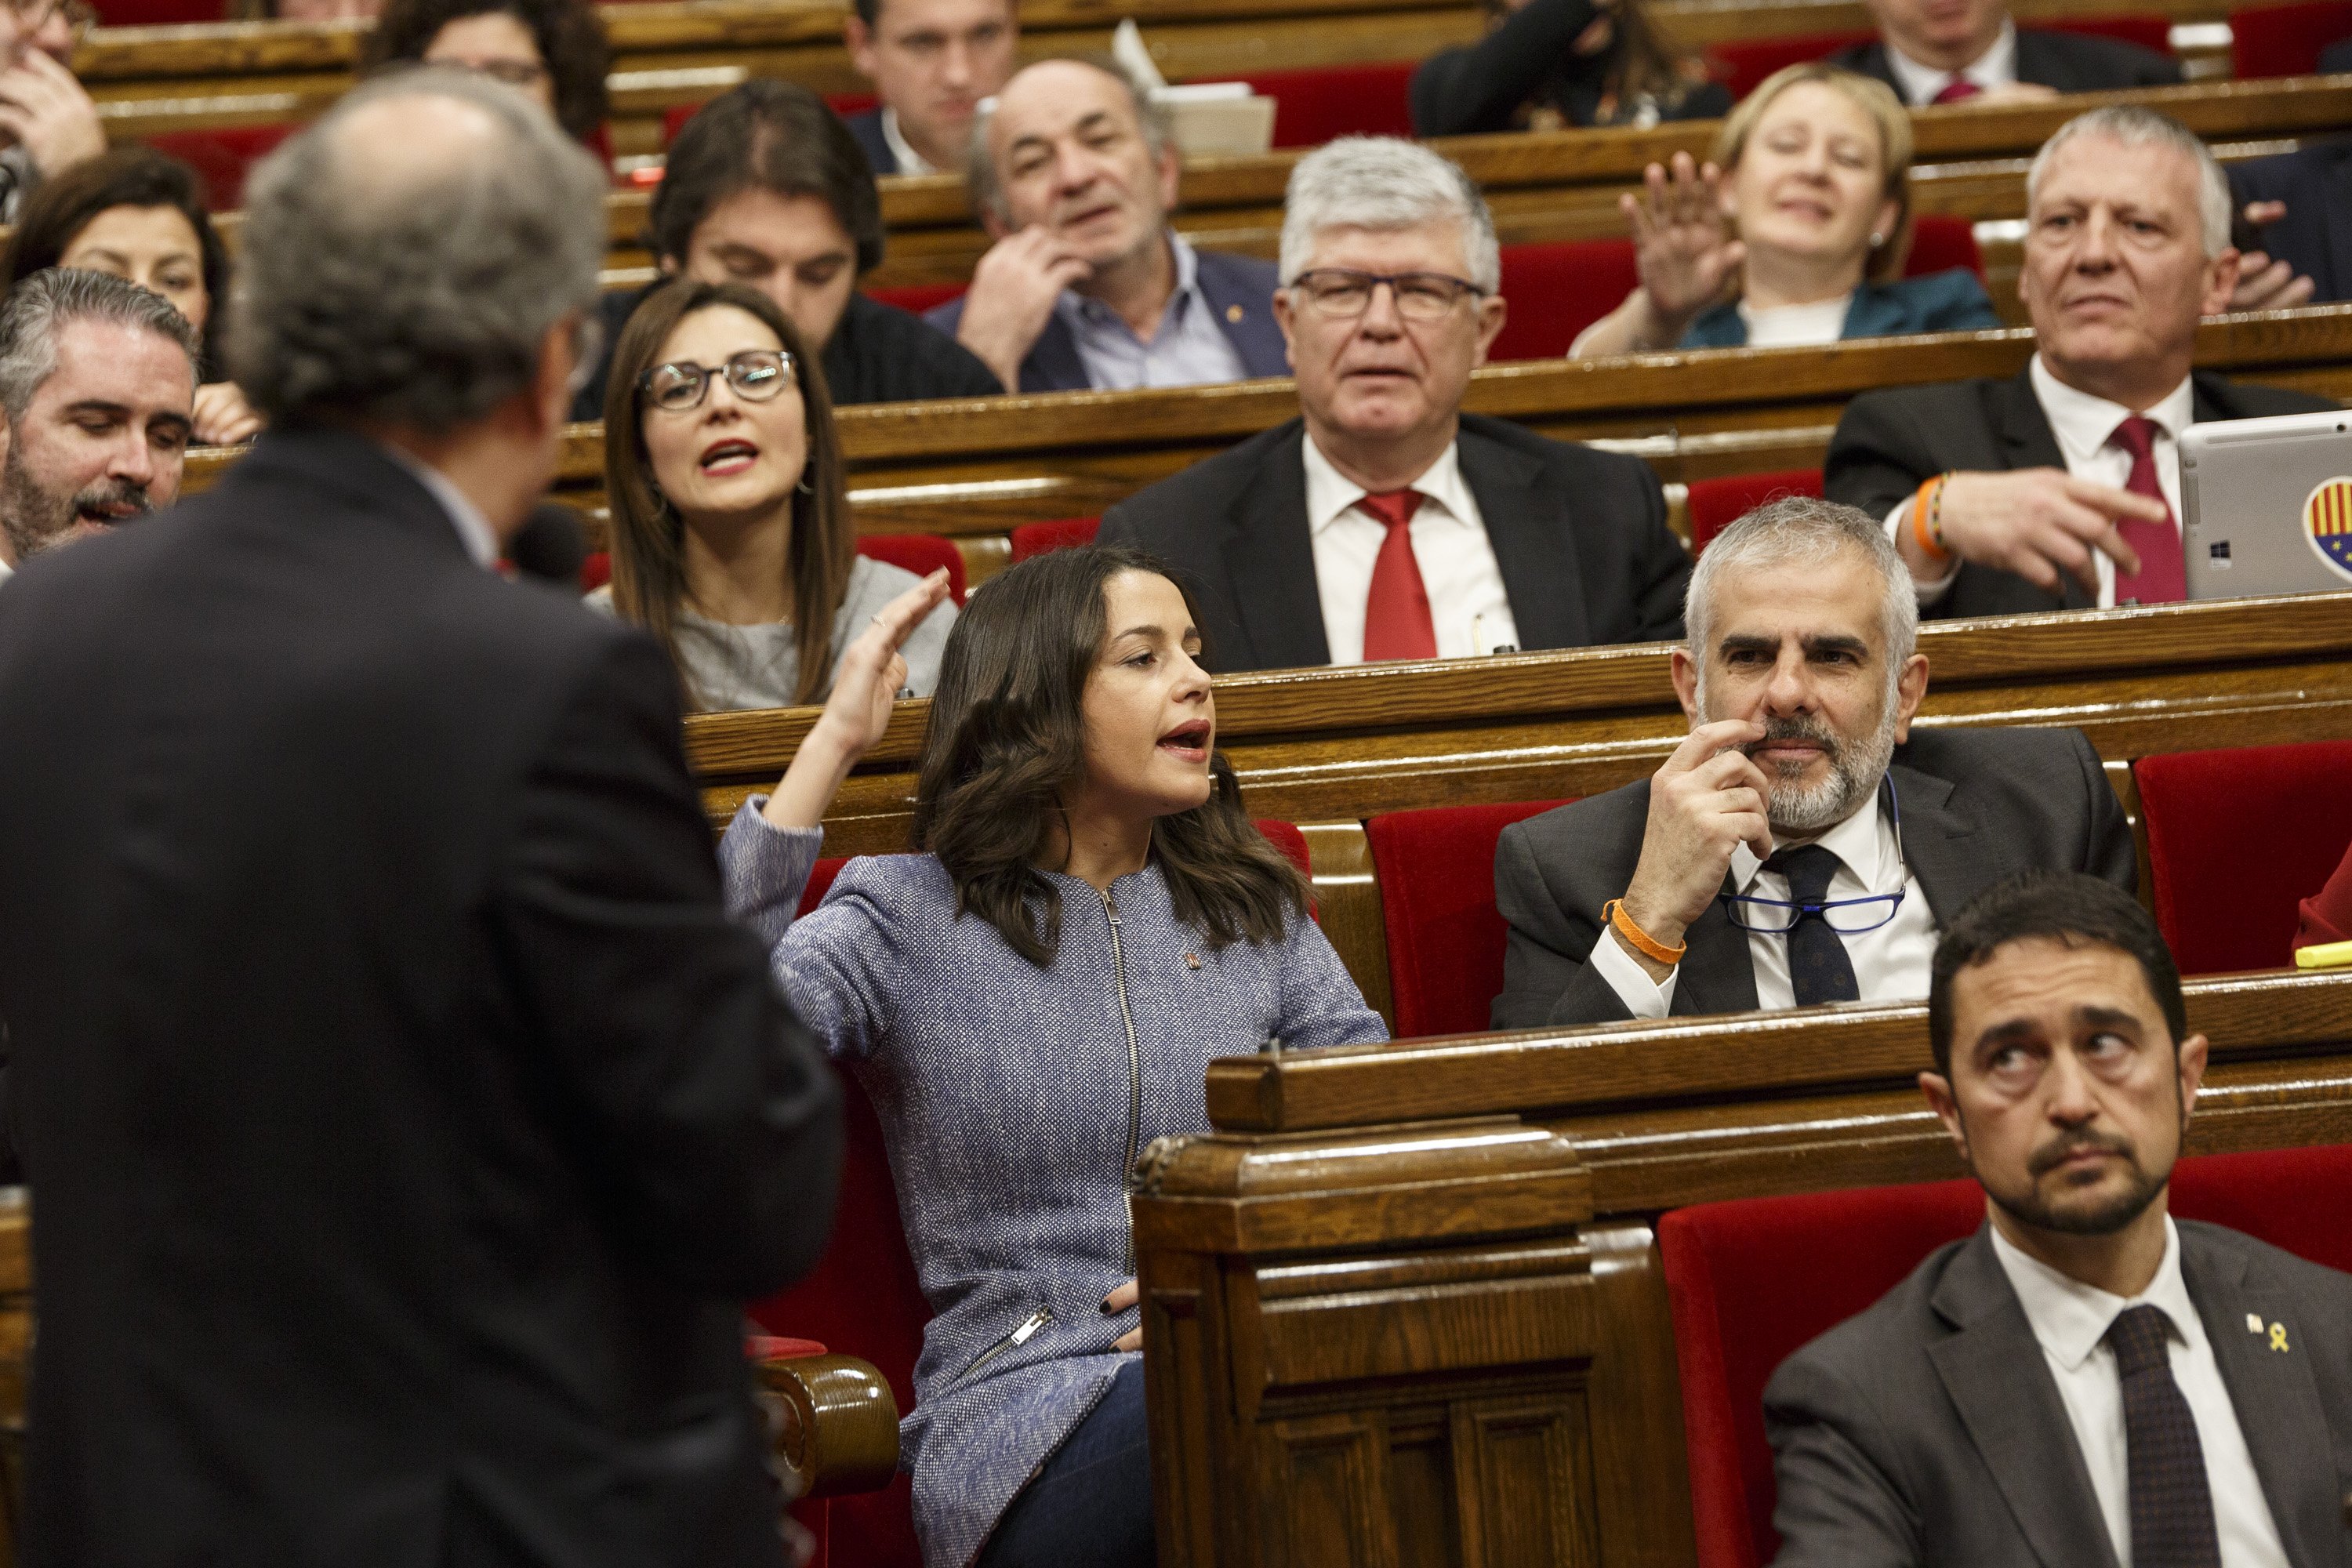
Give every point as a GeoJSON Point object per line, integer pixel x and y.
{"type": "Point", "coordinates": [47, 122]}
{"type": "Point", "coordinates": [1804, 845]}
{"type": "Point", "coordinates": [1384, 522]}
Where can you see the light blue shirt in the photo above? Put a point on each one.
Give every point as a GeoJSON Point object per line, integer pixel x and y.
{"type": "Point", "coordinates": [1189, 349]}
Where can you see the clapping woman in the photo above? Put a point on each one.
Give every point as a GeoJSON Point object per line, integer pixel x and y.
{"type": "Point", "coordinates": [1793, 234]}
{"type": "Point", "coordinates": [1029, 1002]}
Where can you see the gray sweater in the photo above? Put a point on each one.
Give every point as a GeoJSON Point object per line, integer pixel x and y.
{"type": "Point", "coordinates": [1011, 1103]}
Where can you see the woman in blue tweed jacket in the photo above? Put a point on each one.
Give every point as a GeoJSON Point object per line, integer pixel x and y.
{"type": "Point", "coordinates": [1028, 1005]}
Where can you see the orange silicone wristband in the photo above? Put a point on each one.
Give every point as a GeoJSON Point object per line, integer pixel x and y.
{"type": "Point", "coordinates": [1927, 502]}
{"type": "Point", "coordinates": [1643, 943]}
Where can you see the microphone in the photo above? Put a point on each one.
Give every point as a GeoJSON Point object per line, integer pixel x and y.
{"type": "Point", "coordinates": [550, 545]}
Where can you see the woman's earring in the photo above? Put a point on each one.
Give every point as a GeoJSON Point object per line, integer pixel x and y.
{"type": "Point", "coordinates": [1876, 239]}
{"type": "Point", "coordinates": [805, 488]}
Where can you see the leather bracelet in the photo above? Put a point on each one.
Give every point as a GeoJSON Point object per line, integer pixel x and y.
{"type": "Point", "coordinates": [1927, 518]}
{"type": "Point", "coordinates": [1650, 947]}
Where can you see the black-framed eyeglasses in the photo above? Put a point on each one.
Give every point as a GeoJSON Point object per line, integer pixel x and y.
{"type": "Point", "coordinates": [1847, 917]}
{"type": "Point", "coordinates": [523, 74]}
{"type": "Point", "coordinates": [1344, 293]}
{"type": "Point", "coordinates": [757, 376]}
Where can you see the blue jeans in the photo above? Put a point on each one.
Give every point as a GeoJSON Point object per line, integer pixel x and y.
{"type": "Point", "coordinates": [1090, 1506]}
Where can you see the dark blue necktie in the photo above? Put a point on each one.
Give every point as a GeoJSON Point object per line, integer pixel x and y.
{"type": "Point", "coordinates": [2171, 1503]}
{"type": "Point", "coordinates": [1819, 969]}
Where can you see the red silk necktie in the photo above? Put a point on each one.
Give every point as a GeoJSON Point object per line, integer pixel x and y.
{"type": "Point", "coordinates": [1960, 90]}
{"type": "Point", "coordinates": [2162, 577]}
{"type": "Point", "coordinates": [1397, 622]}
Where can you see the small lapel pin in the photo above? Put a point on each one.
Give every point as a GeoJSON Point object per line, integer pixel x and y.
{"type": "Point", "coordinates": [1233, 312]}
{"type": "Point", "coordinates": [2253, 1322]}
{"type": "Point", "coordinates": [2278, 1336]}
{"type": "Point", "coordinates": [1191, 960]}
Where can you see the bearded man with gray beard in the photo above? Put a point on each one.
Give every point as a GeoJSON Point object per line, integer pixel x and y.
{"type": "Point", "coordinates": [1804, 845]}
{"type": "Point", "coordinates": [97, 384]}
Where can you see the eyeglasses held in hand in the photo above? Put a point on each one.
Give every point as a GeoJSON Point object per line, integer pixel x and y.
{"type": "Point", "coordinates": [757, 376]}
{"type": "Point", "coordinates": [1344, 293]}
{"type": "Point", "coordinates": [1847, 917]}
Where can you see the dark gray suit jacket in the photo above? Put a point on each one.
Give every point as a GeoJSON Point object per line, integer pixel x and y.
{"type": "Point", "coordinates": [1581, 538]}
{"type": "Point", "coordinates": [1928, 1431]}
{"type": "Point", "coordinates": [2065, 62]}
{"type": "Point", "coordinates": [1977, 805]}
{"type": "Point", "coordinates": [1889, 443]}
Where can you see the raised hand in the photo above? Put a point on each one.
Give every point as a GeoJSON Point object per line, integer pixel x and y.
{"type": "Point", "coordinates": [871, 674]}
{"type": "Point", "coordinates": [2042, 524]}
{"type": "Point", "coordinates": [1011, 298]}
{"type": "Point", "coordinates": [1682, 244]}
{"type": "Point", "coordinates": [2265, 282]}
{"type": "Point", "coordinates": [1705, 801]}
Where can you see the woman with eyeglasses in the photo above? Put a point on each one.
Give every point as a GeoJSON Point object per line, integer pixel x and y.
{"type": "Point", "coordinates": [731, 536]}
{"type": "Point", "coordinates": [139, 215]}
{"type": "Point", "coordinates": [1793, 234]}
{"type": "Point", "coordinates": [552, 50]}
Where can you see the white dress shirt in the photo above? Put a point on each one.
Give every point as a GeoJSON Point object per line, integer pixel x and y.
{"type": "Point", "coordinates": [1796, 326]}
{"type": "Point", "coordinates": [1997, 66]}
{"type": "Point", "coordinates": [2070, 1319]}
{"type": "Point", "coordinates": [910, 161]}
{"type": "Point", "coordinates": [1890, 964]}
{"type": "Point", "coordinates": [1466, 602]}
{"type": "Point", "coordinates": [1187, 349]}
{"type": "Point", "coordinates": [474, 530]}
{"type": "Point", "coordinates": [2082, 423]}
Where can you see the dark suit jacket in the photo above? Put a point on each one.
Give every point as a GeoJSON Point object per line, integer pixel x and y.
{"type": "Point", "coordinates": [867, 129]}
{"type": "Point", "coordinates": [1949, 301]}
{"type": "Point", "coordinates": [1976, 805]}
{"type": "Point", "coordinates": [1581, 537]}
{"type": "Point", "coordinates": [1528, 62]}
{"type": "Point", "coordinates": [2316, 184]}
{"type": "Point", "coordinates": [2069, 62]}
{"type": "Point", "coordinates": [2337, 57]}
{"type": "Point", "coordinates": [1889, 443]}
{"type": "Point", "coordinates": [1239, 289]}
{"type": "Point", "coordinates": [1928, 1431]}
{"type": "Point", "coordinates": [409, 1121]}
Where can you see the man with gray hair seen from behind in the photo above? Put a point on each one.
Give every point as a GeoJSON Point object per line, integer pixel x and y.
{"type": "Point", "coordinates": [409, 1120]}
{"type": "Point", "coordinates": [1384, 522]}
{"type": "Point", "coordinates": [98, 382]}
{"type": "Point", "coordinates": [2059, 488]}
{"type": "Point", "coordinates": [1074, 172]}
{"type": "Point", "coordinates": [1804, 844]}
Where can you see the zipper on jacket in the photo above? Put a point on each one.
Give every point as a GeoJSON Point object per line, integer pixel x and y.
{"type": "Point", "coordinates": [1134, 1077]}
{"type": "Point", "coordinates": [1019, 1336]}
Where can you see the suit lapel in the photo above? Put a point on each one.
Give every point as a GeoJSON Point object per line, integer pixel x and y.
{"type": "Point", "coordinates": [1270, 563]}
{"type": "Point", "coordinates": [1992, 1369]}
{"type": "Point", "coordinates": [2276, 1397]}
{"type": "Point", "coordinates": [1528, 525]}
{"type": "Point", "coordinates": [2028, 442]}
{"type": "Point", "coordinates": [1940, 845]}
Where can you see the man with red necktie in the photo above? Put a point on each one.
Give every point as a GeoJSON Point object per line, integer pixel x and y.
{"type": "Point", "coordinates": [1385, 523]}
{"type": "Point", "coordinates": [2060, 487]}
{"type": "Point", "coordinates": [1951, 51]}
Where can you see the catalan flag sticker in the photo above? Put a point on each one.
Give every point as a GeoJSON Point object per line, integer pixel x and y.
{"type": "Point", "coordinates": [2327, 523]}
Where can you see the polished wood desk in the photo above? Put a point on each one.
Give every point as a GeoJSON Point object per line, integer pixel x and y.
{"type": "Point", "coordinates": [1403, 1305]}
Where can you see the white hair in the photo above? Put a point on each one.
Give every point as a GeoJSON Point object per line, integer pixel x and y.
{"type": "Point", "coordinates": [1383, 183]}
{"type": "Point", "coordinates": [2132, 125]}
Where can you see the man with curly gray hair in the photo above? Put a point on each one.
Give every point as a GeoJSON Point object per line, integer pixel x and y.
{"type": "Point", "coordinates": [411, 1122]}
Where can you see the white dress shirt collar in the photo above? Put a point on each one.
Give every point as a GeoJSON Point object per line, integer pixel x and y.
{"type": "Point", "coordinates": [1863, 843]}
{"type": "Point", "coordinates": [473, 530]}
{"type": "Point", "coordinates": [2070, 1319]}
{"type": "Point", "coordinates": [1997, 66]}
{"type": "Point", "coordinates": [1330, 492]}
{"type": "Point", "coordinates": [6, 570]}
{"type": "Point", "coordinates": [910, 161]}
{"type": "Point", "coordinates": [2082, 423]}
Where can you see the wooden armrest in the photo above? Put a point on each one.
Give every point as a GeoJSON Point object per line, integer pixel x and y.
{"type": "Point", "coordinates": [838, 1426]}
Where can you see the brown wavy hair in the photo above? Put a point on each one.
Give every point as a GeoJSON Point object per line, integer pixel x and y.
{"type": "Point", "coordinates": [648, 535]}
{"type": "Point", "coordinates": [1007, 740]}
{"type": "Point", "coordinates": [569, 34]}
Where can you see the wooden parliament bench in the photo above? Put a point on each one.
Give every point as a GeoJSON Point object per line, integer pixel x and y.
{"type": "Point", "coordinates": [1403, 1304]}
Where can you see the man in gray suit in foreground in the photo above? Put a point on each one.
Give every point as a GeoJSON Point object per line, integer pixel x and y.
{"type": "Point", "coordinates": [1805, 843]}
{"type": "Point", "coordinates": [2086, 1381]}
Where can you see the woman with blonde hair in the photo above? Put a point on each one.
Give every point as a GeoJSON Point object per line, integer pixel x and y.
{"type": "Point", "coordinates": [1794, 232]}
{"type": "Point", "coordinates": [732, 542]}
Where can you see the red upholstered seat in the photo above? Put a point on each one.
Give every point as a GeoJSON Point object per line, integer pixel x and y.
{"type": "Point", "coordinates": [1555, 289]}
{"type": "Point", "coordinates": [1037, 538]}
{"type": "Point", "coordinates": [2285, 40]}
{"type": "Point", "coordinates": [1717, 504]}
{"type": "Point", "coordinates": [2236, 839]}
{"type": "Point", "coordinates": [920, 553]}
{"type": "Point", "coordinates": [842, 103]}
{"type": "Point", "coordinates": [222, 158]}
{"type": "Point", "coordinates": [1436, 871]}
{"type": "Point", "coordinates": [1753, 1281]}
{"type": "Point", "coordinates": [1312, 106]}
{"type": "Point", "coordinates": [919, 297]}
{"type": "Point", "coordinates": [159, 13]}
{"type": "Point", "coordinates": [1939, 243]}
{"type": "Point", "coordinates": [1742, 66]}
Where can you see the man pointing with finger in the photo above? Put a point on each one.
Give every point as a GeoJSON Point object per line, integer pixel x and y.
{"type": "Point", "coordinates": [2060, 487]}
{"type": "Point", "coordinates": [1804, 845]}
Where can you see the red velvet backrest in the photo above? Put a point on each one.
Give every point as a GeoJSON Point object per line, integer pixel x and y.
{"type": "Point", "coordinates": [222, 158]}
{"type": "Point", "coordinates": [1313, 105]}
{"type": "Point", "coordinates": [1286, 837]}
{"type": "Point", "coordinates": [2236, 839]}
{"type": "Point", "coordinates": [1556, 289]}
{"type": "Point", "coordinates": [2285, 40]}
{"type": "Point", "coordinates": [919, 297]}
{"type": "Point", "coordinates": [921, 554]}
{"type": "Point", "coordinates": [842, 103]}
{"type": "Point", "coordinates": [1037, 538]}
{"type": "Point", "coordinates": [159, 13]}
{"type": "Point", "coordinates": [1752, 1282]}
{"type": "Point", "coordinates": [1437, 872]}
{"type": "Point", "coordinates": [1717, 504]}
{"type": "Point", "coordinates": [1939, 243]}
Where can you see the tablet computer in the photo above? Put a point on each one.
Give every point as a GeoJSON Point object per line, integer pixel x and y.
{"type": "Point", "coordinates": [2266, 505]}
